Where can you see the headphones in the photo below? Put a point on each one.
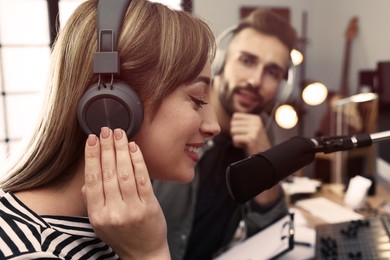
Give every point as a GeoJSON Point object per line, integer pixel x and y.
{"type": "Point", "coordinates": [113, 104]}
{"type": "Point", "coordinates": [285, 88]}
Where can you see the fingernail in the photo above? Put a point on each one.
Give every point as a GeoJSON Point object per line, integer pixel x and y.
{"type": "Point", "coordinates": [118, 134]}
{"type": "Point", "coordinates": [105, 132]}
{"type": "Point", "coordinates": [92, 140]}
{"type": "Point", "coordinates": [133, 147]}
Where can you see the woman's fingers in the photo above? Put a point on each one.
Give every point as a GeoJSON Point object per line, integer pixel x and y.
{"type": "Point", "coordinates": [111, 168]}
{"type": "Point", "coordinates": [141, 175]}
{"type": "Point", "coordinates": [108, 165]}
{"type": "Point", "coordinates": [125, 171]}
{"type": "Point", "coordinates": [93, 188]}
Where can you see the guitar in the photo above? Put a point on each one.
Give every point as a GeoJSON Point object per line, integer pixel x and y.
{"type": "Point", "coordinates": [350, 111]}
{"type": "Point", "coordinates": [350, 34]}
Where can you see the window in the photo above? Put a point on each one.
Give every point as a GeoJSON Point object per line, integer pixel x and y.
{"type": "Point", "coordinates": [27, 31]}
{"type": "Point", "coordinates": [174, 4]}
{"type": "Point", "coordinates": [25, 40]}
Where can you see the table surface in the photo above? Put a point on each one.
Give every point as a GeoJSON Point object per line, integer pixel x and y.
{"type": "Point", "coordinates": [336, 193]}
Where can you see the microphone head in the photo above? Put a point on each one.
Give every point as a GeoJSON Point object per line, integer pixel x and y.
{"type": "Point", "coordinates": [243, 180]}
{"type": "Point", "coordinates": [249, 177]}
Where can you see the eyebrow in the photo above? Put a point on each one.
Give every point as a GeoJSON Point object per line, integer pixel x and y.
{"type": "Point", "coordinates": [272, 64]}
{"type": "Point", "coordinates": [203, 79]}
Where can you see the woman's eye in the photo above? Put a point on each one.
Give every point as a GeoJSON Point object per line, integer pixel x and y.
{"type": "Point", "coordinates": [198, 102]}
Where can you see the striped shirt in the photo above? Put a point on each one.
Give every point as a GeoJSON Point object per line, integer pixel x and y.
{"type": "Point", "coordinates": [25, 235]}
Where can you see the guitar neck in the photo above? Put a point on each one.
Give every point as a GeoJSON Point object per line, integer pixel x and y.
{"type": "Point", "coordinates": [344, 84]}
{"type": "Point", "coordinates": [350, 34]}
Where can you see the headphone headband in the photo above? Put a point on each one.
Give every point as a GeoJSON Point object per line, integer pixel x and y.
{"type": "Point", "coordinates": [219, 59]}
{"type": "Point", "coordinates": [106, 60]}
{"type": "Point", "coordinates": [114, 104]}
{"type": "Point", "coordinates": [226, 32]}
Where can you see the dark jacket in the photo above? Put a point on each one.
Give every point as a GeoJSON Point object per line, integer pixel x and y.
{"type": "Point", "coordinates": [179, 203]}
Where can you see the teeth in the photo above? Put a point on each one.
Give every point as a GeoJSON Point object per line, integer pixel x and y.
{"type": "Point", "coordinates": [192, 149]}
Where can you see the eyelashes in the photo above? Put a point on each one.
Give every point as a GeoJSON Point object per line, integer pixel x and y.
{"type": "Point", "coordinates": [198, 102]}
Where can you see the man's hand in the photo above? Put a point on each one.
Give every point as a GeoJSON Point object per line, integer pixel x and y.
{"type": "Point", "coordinates": [248, 132]}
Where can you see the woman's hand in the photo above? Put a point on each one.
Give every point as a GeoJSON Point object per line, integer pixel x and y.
{"type": "Point", "coordinates": [119, 197]}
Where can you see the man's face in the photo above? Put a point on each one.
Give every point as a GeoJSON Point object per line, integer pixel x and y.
{"type": "Point", "coordinates": [254, 67]}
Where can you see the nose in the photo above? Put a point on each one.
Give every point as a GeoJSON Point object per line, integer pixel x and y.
{"type": "Point", "coordinates": [209, 126]}
{"type": "Point", "coordinates": [256, 75]}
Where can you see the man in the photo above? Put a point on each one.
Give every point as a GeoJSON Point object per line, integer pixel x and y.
{"type": "Point", "coordinates": [202, 217]}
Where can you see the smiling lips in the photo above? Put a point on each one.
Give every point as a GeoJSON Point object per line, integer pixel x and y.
{"type": "Point", "coordinates": [193, 152]}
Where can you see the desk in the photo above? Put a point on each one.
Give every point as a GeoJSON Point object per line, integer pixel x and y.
{"type": "Point", "coordinates": [305, 233]}
{"type": "Point", "coordinates": [336, 193]}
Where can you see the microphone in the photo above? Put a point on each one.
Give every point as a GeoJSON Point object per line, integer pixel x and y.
{"type": "Point", "coordinates": [251, 176]}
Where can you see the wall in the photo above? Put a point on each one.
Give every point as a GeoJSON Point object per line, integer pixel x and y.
{"type": "Point", "coordinates": [327, 21]}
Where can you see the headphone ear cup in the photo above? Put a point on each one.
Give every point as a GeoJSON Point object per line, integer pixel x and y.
{"type": "Point", "coordinates": [218, 62]}
{"type": "Point", "coordinates": [283, 92]}
{"type": "Point", "coordinates": [286, 87]}
{"type": "Point", "coordinates": [222, 42]}
{"type": "Point", "coordinates": [116, 106]}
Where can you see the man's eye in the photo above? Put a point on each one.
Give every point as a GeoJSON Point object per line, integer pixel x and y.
{"type": "Point", "coordinates": [246, 61]}
{"type": "Point", "coordinates": [275, 73]}
{"type": "Point", "coordinates": [198, 102]}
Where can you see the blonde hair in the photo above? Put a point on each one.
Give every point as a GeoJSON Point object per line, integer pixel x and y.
{"type": "Point", "coordinates": [160, 49]}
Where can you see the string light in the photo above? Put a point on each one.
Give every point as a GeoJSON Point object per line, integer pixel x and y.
{"type": "Point", "coordinates": [314, 94]}
{"type": "Point", "coordinates": [286, 116]}
{"type": "Point", "coordinates": [296, 57]}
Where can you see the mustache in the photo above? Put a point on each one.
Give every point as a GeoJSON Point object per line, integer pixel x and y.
{"type": "Point", "coordinates": [252, 90]}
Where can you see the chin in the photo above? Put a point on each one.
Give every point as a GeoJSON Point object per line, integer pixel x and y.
{"type": "Point", "coordinates": [177, 176]}
{"type": "Point", "coordinates": [186, 176]}
{"type": "Point", "coordinates": [187, 180]}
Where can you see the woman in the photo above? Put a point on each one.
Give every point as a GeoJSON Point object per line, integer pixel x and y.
{"type": "Point", "coordinates": [74, 199]}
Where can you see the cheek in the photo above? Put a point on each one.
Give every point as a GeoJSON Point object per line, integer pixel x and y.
{"type": "Point", "coordinates": [271, 91]}
{"type": "Point", "coordinates": [233, 75]}
{"type": "Point", "coordinates": [163, 139]}
{"type": "Point", "coordinates": [179, 121]}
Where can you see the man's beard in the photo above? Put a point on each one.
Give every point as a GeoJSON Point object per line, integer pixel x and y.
{"type": "Point", "coordinates": [226, 98]}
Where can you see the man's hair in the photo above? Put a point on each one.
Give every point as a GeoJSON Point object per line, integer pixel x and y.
{"type": "Point", "coordinates": [262, 20]}
{"type": "Point", "coordinates": [268, 22]}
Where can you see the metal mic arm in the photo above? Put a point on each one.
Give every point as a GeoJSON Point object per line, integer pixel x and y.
{"type": "Point", "coordinates": [330, 144]}
{"type": "Point", "coordinates": [381, 136]}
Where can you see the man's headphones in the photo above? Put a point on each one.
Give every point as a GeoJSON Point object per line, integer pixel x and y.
{"type": "Point", "coordinates": [113, 104]}
{"type": "Point", "coordinates": [285, 88]}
